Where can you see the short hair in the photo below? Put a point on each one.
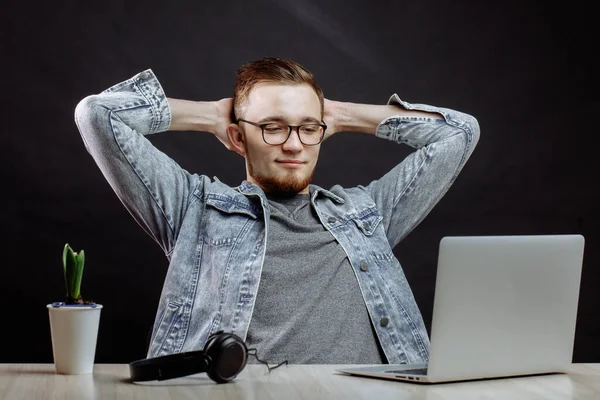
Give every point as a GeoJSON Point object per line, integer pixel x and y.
{"type": "Point", "coordinates": [274, 70]}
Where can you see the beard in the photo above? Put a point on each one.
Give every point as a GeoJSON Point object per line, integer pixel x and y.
{"type": "Point", "coordinates": [287, 186]}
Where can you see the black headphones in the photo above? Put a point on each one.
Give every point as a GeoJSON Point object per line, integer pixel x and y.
{"type": "Point", "coordinates": [224, 356]}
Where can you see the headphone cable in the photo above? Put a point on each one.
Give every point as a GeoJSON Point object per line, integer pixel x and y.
{"type": "Point", "coordinates": [253, 352]}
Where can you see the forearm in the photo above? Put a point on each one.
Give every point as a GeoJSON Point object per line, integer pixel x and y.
{"type": "Point", "coordinates": [365, 118]}
{"type": "Point", "coordinates": [444, 140]}
{"type": "Point", "coordinates": [150, 184]}
{"type": "Point", "coordinates": [189, 115]}
{"type": "Point", "coordinates": [416, 125]}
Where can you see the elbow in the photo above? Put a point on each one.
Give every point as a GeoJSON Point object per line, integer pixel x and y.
{"type": "Point", "coordinates": [91, 118]}
{"type": "Point", "coordinates": [87, 110]}
{"type": "Point", "coordinates": [475, 129]}
{"type": "Point", "coordinates": [81, 109]}
{"type": "Point", "coordinates": [471, 129]}
{"type": "Point", "coordinates": [470, 126]}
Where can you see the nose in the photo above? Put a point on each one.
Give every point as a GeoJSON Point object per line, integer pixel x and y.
{"type": "Point", "coordinates": [293, 143]}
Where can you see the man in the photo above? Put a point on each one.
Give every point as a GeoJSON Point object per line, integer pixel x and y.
{"type": "Point", "coordinates": [302, 273]}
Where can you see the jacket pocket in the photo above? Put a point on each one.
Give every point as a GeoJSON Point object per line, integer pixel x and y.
{"type": "Point", "coordinates": [230, 205]}
{"type": "Point", "coordinates": [166, 334]}
{"type": "Point", "coordinates": [368, 220]}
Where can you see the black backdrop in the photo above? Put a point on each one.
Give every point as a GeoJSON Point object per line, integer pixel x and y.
{"type": "Point", "coordinates": [524, 70]}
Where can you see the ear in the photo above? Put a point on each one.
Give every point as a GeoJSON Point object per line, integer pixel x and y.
{"type": "Point", "coordinates": [237, 139]}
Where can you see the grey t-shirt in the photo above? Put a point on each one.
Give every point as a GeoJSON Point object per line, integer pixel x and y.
{"type": "Point", "coordinates": [309, 309]}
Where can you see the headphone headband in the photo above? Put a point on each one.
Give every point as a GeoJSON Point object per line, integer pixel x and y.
{"type": "Point", "coordinates": [224, 356]}
{"type": "Point", "coordinates": [169, 366]}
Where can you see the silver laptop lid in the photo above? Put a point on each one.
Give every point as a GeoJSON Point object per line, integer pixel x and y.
{"type": "Point", "coordinates": [505, 305]}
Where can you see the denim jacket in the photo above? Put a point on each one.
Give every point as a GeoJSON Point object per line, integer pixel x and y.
{"type": "Point", "coordinates": [214, 235]}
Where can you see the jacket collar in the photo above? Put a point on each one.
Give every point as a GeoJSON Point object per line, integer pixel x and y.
{"type": "Point", "coordinates": [317, 191]}
{"type": "Point", "coordinates": [250, 189]}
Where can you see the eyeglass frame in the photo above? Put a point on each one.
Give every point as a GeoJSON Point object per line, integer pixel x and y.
{"type": "Point", "coordinates": [290, 127]}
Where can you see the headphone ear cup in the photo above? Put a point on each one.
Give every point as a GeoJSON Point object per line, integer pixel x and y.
{"type": "Point", "coordinates": [211, 340]}
{"type": "Point", "coordinates": [227, 356]}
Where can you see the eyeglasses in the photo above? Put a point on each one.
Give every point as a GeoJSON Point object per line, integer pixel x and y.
{"type": "Point", "coordinates": [277, 133]}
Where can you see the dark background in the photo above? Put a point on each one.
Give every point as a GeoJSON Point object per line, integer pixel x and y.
{"type": "Point", "coordinates": [523, 69]}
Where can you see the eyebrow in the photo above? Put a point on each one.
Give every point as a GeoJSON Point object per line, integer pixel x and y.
{"type": "Point", "coordinates": [284, 120]}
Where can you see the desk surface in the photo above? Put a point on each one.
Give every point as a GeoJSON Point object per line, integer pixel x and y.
{"type": "Point", "coordinates": [110, 381]}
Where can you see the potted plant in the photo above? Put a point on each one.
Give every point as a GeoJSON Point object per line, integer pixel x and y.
{"type": "Point", "coordinates": [74, 322]}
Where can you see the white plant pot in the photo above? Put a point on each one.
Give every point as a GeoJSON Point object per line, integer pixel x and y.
{"type": "Point", "coordinates": [74, 331]}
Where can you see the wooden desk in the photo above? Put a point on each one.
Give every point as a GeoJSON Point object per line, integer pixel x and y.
{"type": "Point", "coordinates": [110, 381]}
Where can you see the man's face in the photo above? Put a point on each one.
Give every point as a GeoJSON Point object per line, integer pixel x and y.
{"type": "Point", "coordinates": [286, 168]}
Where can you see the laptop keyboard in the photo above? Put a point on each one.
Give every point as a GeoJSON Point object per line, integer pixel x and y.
{"type": "Point", "coordinates": [411, 371]}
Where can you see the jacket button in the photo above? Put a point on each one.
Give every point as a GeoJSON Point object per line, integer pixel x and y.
{"type": "Point", "coordinates": [384, 321]}
{"type": "Point", "coordinates": [363, 267]}
{"type": "Point", "coordinates": [331, 220]}
{"type": "Point", "coordinates": [144, 75]}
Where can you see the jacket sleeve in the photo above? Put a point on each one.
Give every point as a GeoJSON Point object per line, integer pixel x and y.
{"type": "Point", "coordinates": [406, 194]}
{"type": "Point", "coordinates": [113, 125]}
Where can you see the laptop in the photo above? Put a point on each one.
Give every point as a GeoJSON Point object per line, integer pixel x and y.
{"type": "Point", "coordinates": [503, 306]}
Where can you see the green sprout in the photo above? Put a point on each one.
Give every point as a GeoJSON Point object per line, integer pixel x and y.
{"type": "Point", "coordinates": [73, 268]}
